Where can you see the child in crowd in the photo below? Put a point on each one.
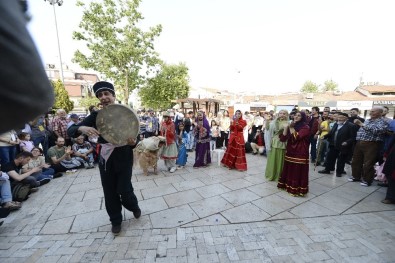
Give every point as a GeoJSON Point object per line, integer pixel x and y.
{"type": "Point", "coordinates": [83, 152]}
{"type": "Point", "coordinates": [181, 143]}
{"type": "Point", "coordinates": [214, 134]}
{"type": "Point", "coordinates": [25, 144]}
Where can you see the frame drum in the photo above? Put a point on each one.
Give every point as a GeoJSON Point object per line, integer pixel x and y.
{"type": "Point", "coordinates": [117, 123]}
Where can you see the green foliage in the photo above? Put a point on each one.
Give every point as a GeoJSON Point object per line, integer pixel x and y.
{"type": "Point", "coordinates": [309, 87]}
{"type": "Point", "coordinates": [330, 85]}
{"type": "Point", "coordinates": [117, 47]}
{"type": "Point", "coordinates": [170, 83]}
{"type": "Point", "coordinates": [62, 99]}
{"type": "Point", "coordinates": [88, 101]}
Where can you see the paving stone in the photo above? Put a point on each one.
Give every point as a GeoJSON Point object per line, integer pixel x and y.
{"type": "Point", "coordinates": [60, 226]}
{"type": "Point", "coordinates": [264, 189]}
{"type": "Point", "coordinates": [245, 213]}
{"type": "Point", "coordinates": [210, 206]}
{"type": "Point", "coordinates": [237, 184]}
{"type": "Point", "coordinates": [182, 198]}
{"type": "Point", "coordinates": [168, 180]}
{"type": "Point", "coordinates": [158, 191]}
{"type": "Point", "coordinates": [273, 204]}
{"type": "Point", "coordinates": [89, 220]}
{"type": "Point", "coordinates": [310, 209]}
{"type": "Point", "coordinates": [173, 217]}
{"type": "Point", "coordinates": [212, 190]}
{"type": "Point", "coordinates": [75, 208]}
{"type": "Point", "coordinates": [239, 197]}
{"type": "Point", "coordinates": [187, 185]}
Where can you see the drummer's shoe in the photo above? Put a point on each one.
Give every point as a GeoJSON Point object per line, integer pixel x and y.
{"type": "Point", "coordinates": [173, 169]}
{"type": "Point", "coordinates": [137, 213]}
{"type": "Point", "coordinates": [116, 229]}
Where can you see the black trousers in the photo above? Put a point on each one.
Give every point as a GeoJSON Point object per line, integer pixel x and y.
{"type": "Point", "coordinates": [391, 188]}
{"type": "Point", "coordinates": [116, 175]}
{"type": "Point", "coordinates": [333, 155]}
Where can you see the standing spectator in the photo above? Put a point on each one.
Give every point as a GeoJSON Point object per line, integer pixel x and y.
{"type": "Point", "coordinates": [295, 175]}
{"type": "Point", "coordinates": [389, 171]}
{"type": "Point", "coordinates": [369, 137]}
{"type": "Point", "coordinates": [39, 133]}
{"type": "Point", "coordinates": [83, 152]}
{"type": "Point", "coordinates": [151, 124]}
{"type": "Point", "coordinates": [182, 139]}
{"type": "Point", "coordinates": [354, 115]}
{"type": "Point", "coordinates": [8, 143]}
{"type": "Point", "coordinates": [257, 123]}
{"type": "Point", "coordinates": [73, 120]}
{"type": "Point", "coordinates": [59, 126]}
{"type": "Point", "coordinates": [314, 124]}
{"type": "Point", "coordinates": [323, 130]}
{"type": "Point", "coordinates": [191, 142]}
{"type": "Point", "coordinates": [341, 139]}
{"type": "Point", "coordinates": [224, 125]}
{"type": "Point", "coordinates": [275, 148]}
{"type": "Point", "coordinates": [187, 129]}
{"type": "Point", "coordinates": [169, 152]}
{"type": "Point", "coordinates": [235, 156]}
{"type": "Point", "coordinates": [214, 134]}
{"type": "Point", "coordinates": [202, 138]}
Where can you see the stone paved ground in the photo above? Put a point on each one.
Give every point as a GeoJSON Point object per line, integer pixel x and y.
{"type": "Point", "coordinates": [203, 215]}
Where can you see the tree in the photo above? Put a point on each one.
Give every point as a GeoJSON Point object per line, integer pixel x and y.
{"type": "Point", "coordinates": [62, 99]}
{"type": "Point", "coordinates": [118, 49]}
{"type": "Point", "coordinates": [330, 85]}
{"type": "Point", "coordinates": [309, 87]}
{"type": "Point", "coordinates": [170, 83]}
{"type": "Point", "coordinates": [88, 101]}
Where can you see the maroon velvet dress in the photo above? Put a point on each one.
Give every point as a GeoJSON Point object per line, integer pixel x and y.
{"type": "Point", "coordinates": [295, 175]}
{"type": "Point", "coordinates": [235, 155]}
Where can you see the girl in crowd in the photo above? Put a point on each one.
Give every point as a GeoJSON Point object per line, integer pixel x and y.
{"type": "Point", "coordinates": [235, 155]}
{"type": "Point", "coordinates": [169, 152]}
{"type": "Point", "coordinates": [214, 134]}
{"type": "Point", "coordinates": [8, 143]}
{"type": "Point", "coordinates": [295, 175]}
{"type": "Point", "coordinates": [275, 148]}
{"type": "Point", "coordinates": [202, 137]}
{"type": "Point", "coordinates": [224, 128]}
{"type": "Point", "coordinates": [182, 150]}
{"type": "Point", "coordinates": [25, 144]}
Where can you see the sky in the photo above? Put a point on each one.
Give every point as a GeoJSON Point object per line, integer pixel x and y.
{"type": "Point", "coordinates": [264, 46]}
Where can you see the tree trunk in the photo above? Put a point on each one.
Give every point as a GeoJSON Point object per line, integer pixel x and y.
{"type": "Point", "coordinates": [126, 90]}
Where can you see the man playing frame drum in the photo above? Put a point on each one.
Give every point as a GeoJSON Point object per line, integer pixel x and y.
{"type": "Point", "coordinates": [115, 162]}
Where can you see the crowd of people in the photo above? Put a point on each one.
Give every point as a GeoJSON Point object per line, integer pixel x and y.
{"type": "Point", "coordinates": [291, 142]}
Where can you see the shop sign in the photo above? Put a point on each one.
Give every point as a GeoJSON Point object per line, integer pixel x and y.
{"type": "Point", "coordinates": [384, 102]}
{"type": "Point", "coordinates": [354, 104]}
{"type": "Point", "coordinates": [262, 104]}
{"type": "Point", "coordinates": [315, 103]}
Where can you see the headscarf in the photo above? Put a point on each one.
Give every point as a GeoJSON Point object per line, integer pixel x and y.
{"type": "Point", "coordinates": [202, 128]}
{"type": "Point", "coordinates": [274, 126]}
{"type": "Point", "coordinates": [300, 124]}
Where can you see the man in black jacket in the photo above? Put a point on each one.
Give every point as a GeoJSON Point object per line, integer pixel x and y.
{"type": "Point", "coordinates": [115, 163]}
{"type": "Point", "coordinates": [341, 138]}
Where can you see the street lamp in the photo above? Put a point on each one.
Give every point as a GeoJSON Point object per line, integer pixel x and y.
{"type": "Point", "coordinates": [59, 3]}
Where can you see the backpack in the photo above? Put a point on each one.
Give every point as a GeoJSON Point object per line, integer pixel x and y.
{"type": "Point", "coordinates": [20, 192]}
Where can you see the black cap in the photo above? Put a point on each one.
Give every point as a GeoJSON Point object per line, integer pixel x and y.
{"type": "Point", "coordinates": [103, 85]}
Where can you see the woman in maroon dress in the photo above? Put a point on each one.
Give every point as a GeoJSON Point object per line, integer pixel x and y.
{"type": "Point", "coordinates": [235, 155]}
{"type": "Point", "coordinates": [295, 175]}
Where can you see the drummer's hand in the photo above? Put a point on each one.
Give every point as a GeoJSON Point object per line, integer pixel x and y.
{"type": "Point", "coordinates": [90, 131]}
{"type": "Point", "coordinates": [131, 141]}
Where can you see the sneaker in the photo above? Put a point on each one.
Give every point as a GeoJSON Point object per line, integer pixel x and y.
{"type": "Point", "coordinates": [137, 213]}
{"type": "Point", "coordinates": [11, 206]}
{"type": "Point", "coordinates": [387, 201]}
{"type": "Point", "coordinates": [366, 184]}
{"type": "Point", "coordinates": [116, 229]}
{"type": "Point", "coordinates": [86, 165]}
{"type": "Point", "coordinates": [352, 179]}
{"type": "Point", "coordinates": [91, 165]}
{"type": "Point", "coordinates": [44, 181]}
{"type": "Point", "coordinates": [173, 169]}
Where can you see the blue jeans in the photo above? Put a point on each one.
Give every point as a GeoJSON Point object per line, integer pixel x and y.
{"type": "Point", "coordinates": [5, 191]}
{"type": "Point", "coordinates": [313, 148]}
{"type": "Point", "coordinates": [45, 173]}
{"type": "Point", "coordinates": [7, 154]}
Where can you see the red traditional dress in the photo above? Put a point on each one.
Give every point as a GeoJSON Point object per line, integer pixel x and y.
{"type": "Point", "coordinates": [235, 155]}
{"type": "Point", "coordinates": [295, 175]}
{"type": "Point", "coordinates": [167, 130]}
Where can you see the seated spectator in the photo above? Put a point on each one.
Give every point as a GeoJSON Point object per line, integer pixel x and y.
{"type": "Point", "coordinates": [258, 143]}
{"type": "Point", "coordinates": [60, 157]}
{"type": "Point", "coordinates": [14, 167]}
{"type": "Point", "coordinates": [83, 152]}
{"type": "Point", "coordinates": [6, 195]}
{"type": "Point", "coordinates": [25, 144]}
{"type": "Point", "coordinates": [38, 160]}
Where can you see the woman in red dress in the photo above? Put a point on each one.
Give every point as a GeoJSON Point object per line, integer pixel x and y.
{"type": "Point", "coordinates": [295, 175]}
{"type": "Point", "coordinates": [235, 155]}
